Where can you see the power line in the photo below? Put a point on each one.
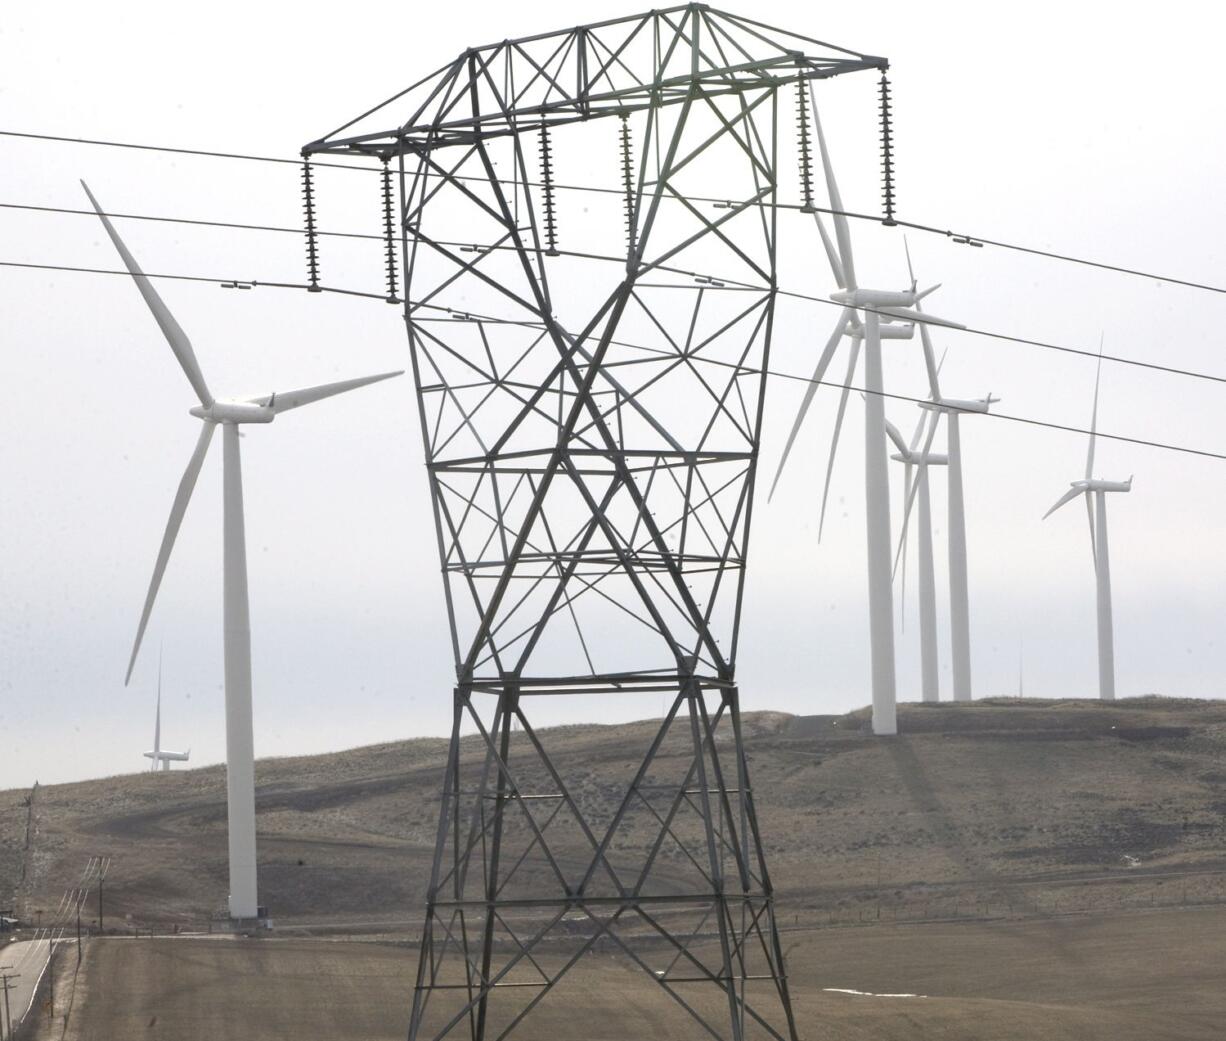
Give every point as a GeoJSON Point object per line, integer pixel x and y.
{"type": "Point", "coordinates": [179, 151]}
{"type": "Point", "coordinates": [990, 334]}
{"type": "Point", "coordinates": [1029, 421]}
{"type": "Point", "coordinates": [227, 283]}
{"type": "Point", "coordinates": [959, 237]}
{"type": "Point", "coordinates": [453, 313]}
{"type": "Point", "coordinates": [185, 220]}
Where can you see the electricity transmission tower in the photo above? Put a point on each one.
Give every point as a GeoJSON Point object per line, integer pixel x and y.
{"type": "Point", "coordinates": [591, 415]}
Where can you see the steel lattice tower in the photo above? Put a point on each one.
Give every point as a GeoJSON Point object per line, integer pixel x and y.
{"type": "Point", "coordinates": [591, 415]}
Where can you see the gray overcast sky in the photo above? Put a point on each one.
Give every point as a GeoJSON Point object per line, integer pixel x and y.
{"type": "Point", "coordinates": [1069, 126]}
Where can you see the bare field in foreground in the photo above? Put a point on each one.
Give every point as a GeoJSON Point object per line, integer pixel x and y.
{"type": "Point", "coordinates": [1143, 976]}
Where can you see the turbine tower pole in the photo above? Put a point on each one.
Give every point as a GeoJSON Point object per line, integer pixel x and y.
{"type": "Point", "coordinates": [959, 599]}
{"type": "Point", "coordinates": [930, 674]}
{"type": "Point", "coordinates": [877, 521]}
{"type": "Point", "coordinates": [1102, 571]}
{"type": "Point", "coordinates": [240, 745]}
{"type": "Point", "coordinates": [240, 765]}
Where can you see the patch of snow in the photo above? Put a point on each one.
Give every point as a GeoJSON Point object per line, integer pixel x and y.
{"type": "Point", "coordinates": [869, 993]}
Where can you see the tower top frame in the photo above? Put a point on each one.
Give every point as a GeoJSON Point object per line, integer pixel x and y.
{"type": "Point", "coordinates": [609, 68]}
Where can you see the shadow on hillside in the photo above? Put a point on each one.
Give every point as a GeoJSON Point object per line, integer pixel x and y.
{"type": "Point", "coordinates": [926, 799]}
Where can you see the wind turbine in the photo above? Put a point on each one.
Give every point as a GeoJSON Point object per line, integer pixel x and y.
{"type": "Point", "coordinates": [881, 310]}
{"type": "Point", "coordinates": [959, 597]}
{"type": "Point", "coordinates": [159, 754]}
{"type": "Point", "coordinates": [917, 462]}
{"type": "Point", "coordinates": [1096, 514]}
{"type": "Point", "coordinates": [229, 414]}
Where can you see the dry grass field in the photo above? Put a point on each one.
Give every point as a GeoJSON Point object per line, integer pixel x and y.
{"type": "Point", "coordinates": [1140, 976]}
{"type": "Point", "coordinates": [1033, 869]}
{"type": "Point", "coordinates": [1034, 805]}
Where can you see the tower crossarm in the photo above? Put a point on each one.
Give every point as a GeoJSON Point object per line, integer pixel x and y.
{"type": "Point", "coordinates": [609, 68]}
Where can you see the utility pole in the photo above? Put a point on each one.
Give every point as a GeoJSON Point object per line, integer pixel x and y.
{"type": "Point", "coordinates": [6, 985]}
{"type": "Point", "coordinates": [80, 901]}
{"type": "Point", "coordinates": [105, 863]}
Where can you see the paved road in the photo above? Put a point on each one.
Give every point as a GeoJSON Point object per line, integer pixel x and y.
{"type": "Point", "coordinates": [26, 959]}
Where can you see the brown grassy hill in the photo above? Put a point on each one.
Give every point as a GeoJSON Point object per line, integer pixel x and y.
{"type": "Point", "coordinates": [1020, 804]}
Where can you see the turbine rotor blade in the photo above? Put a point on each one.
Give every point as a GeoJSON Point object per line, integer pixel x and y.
{"type": "Point", "coordinates": [841, 231]}
{"type": "Point", "coordinates": [1064, 499]}
{"type": "Point", "coordinates": [1093, 538]}
{"type": "Point", "coordinates": [853, 356]}
{"type": "Point", "coordinates": [919, 473]}
{"type": "Point", "coordinates": [823, 362]}
{"type": "Point", "coordinates": [914, 314]}
{"type": "Point", "coordinates": [906, 516]}
{"type": "Point", "coordinates": [893, 433]}
{"type": "Point", "coordinates": [1094, 415]}
{"type": "Point", "coordinates": [175, 336]}
{"type": "Point", "coordinates": [919, 429]}
{"type": "Point", "coordinates": [284, 400]}
{"type": "Point", "coordinates": [182, 497]}
{"type": "Point", "coordinates": [836, 266]}
{"type": "Point", "coordinates": [934, 370]}
{"type": "Point", "coordinates": [934, 384]}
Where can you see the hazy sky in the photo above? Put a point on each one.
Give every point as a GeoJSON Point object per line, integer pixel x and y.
{"type": "Point", "coordinates": [1062, 126]}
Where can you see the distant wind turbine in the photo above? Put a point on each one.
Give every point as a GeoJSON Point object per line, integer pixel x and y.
{"type": "Point", "coordinates": [880, 309]}
{"type": "Point", "coordinates": [159, 754]}
{"type": "Point", "coordinates": [917, 463]}
{"type": "Point", "coordinates": [1096, 514]}
{"type": "Point", "coordinates": [959, 596]}
{"type": "Point", "coordinates": [230, 414]}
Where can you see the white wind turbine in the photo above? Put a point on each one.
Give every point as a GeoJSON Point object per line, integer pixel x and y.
{"type": "Point", "coordinates": [880, 309]}
{"type": "Point", "coordinates": [917, 461]}
{"type": "Point", "coordinates": [159, 754]}
{"type": "Point", "coordinates": [1096, 514]}
{"type": "Point", "coordinates": [959, 597]}
{"type": "Point", "coordinates": [230, 414]}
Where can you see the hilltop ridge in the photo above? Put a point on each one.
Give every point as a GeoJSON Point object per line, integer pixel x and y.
{"type": "Point", "coordinates": [1006, 799]}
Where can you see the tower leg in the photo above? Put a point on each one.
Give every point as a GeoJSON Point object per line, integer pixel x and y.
{"type": "Point", "coordinates": [959, 599]}
{"type": "Point", "coordinates": [538, 862]}
{"type": "Point", "coordinates": [1102, 572]}
{"type": "Point", "coordinates": [877, 519]}
{"type": "Point", "coordinates": [929, 662]}
{"type": "Point", "coordinates": [240, 745]}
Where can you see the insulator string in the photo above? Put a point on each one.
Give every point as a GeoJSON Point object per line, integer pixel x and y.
{"type": "Point", "coordinates": [628, 183]}
{"type": "Point", "coordinates": [805, 148]}
{"type": "Point", "coordinates": [887, 152]}
{"type": "Point", "coordinates": [547, 205]}
{"type": "Point", "coordinates": [312, 241]}
{"type": "Point", "coordinates": [389, 235]}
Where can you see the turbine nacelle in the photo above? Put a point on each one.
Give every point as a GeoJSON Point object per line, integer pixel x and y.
{"type": "Point", "coordinates": [979, 405]}
{"type": "Point", "coordinates": [874, 298]}
{"type": "Point", "coordinates": [235, 412]}
{"type": "Point", "coordinates": [887, 332]}
{"type": "Point", "coordinates": [897, 332]}
{"type": "Point", "coordinates": [1093, 484]}
{"type": "Point", "coordinates": [922, 458]}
